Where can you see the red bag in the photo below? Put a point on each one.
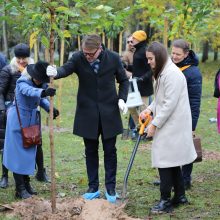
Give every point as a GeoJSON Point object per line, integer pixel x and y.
{"type": "Point", "coordinates": [31, 136]}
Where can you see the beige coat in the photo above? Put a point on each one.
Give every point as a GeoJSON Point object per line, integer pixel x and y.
{"type": "Point", "coordinates": [172, 143]}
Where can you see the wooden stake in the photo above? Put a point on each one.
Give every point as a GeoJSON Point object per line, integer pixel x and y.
{"type": "Point", "coordinates": [79, 43]}
{"type": "Point", "coordinates": [35, 52]}
{"type": "Point", "coordinates": [53, 183]}
{"type": "Point", "coordinates": [165, 38]}
{"type": "Point", "coordinates": [120, 43]}
{"type": "Point", "coordinates": [59, 98]}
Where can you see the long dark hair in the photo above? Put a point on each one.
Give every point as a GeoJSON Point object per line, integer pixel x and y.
{"type": "Point", "coordinates": [161, 56]}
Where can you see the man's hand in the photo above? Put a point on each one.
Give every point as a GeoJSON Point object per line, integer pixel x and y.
{"type": "Point", "coordinates": [51, 71]}
{"type": "Point", "coordinates": [122, 106]}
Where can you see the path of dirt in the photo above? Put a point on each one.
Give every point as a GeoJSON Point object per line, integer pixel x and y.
{"type": "Point", "coordinates": [74, 209]}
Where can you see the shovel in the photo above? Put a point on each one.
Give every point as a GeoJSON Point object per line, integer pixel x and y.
{"type": "Point", "coordinates": [143, 125]}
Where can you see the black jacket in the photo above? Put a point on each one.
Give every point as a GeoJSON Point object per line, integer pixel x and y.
{"type": "Point", "coordinates": [7, 86]}
{"type": "Point", "coordinates": [141, 68]}
{"type": "Point", "coordinates": [194, 85]}
{"type": "Point", "coordinates": [97, 98]}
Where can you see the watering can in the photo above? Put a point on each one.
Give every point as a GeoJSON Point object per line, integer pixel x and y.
{"type": "Point", "coordinates": [134, 96]}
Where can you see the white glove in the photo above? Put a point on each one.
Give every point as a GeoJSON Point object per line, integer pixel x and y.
{"type": "Point", "coordinates": [51, 71]}
{"type": "Point", "coordinates": [122, 106]}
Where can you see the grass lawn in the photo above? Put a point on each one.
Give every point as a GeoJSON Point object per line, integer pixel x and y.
{"type": "Point", "coordinates": [71, 177]}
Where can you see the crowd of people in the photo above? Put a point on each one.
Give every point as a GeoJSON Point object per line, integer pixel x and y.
{"type": "Point", "coordinates": [174, 83]}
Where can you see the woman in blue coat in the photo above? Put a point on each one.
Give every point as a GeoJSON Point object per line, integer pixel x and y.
{"type": "Point", "coordinates": [29, 94]}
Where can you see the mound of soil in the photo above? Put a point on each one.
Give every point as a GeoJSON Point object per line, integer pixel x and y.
{"type": "Point", "coordinates": [80, 209]}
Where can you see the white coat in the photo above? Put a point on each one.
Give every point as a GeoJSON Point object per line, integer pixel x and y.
{"type": "Point", "coordinates": [172, 143]}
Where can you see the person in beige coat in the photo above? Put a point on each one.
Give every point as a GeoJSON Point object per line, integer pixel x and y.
{"type": "Point", "coordinates": [171, 127]}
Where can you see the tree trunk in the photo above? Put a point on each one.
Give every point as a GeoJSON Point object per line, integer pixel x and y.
{"type": "Point", "coordinates": [60, 82]}
{"type": "Point", "coordinates": [5, 39]}
{"type": "Point", "coordinates": [216, 54]}
{"type": "Point", "coordinates": [52, 152]}
{"type": "Point", "coordinates": [35, 52]}
{"type": "Point", "coordinates": [120, 43]}
{"type": "Point", "coordinates": [205, 51]}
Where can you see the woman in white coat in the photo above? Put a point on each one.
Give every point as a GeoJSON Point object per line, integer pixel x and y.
{"type": "Point", "coordinates": [171, 127]}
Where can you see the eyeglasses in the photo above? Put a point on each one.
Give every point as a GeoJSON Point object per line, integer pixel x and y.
{"type": "Point", "coordinates": [90, 54]}
{"type": "Point", "coordinates": [129, 41]}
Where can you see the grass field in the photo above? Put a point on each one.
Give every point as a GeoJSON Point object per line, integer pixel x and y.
{"type": "Point", "coordinates": [71, 177]}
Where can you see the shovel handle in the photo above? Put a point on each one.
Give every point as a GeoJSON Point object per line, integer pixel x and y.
{"type": "Point", "coordinates": [144, 123]}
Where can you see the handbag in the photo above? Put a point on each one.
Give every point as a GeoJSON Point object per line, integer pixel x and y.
{"type": "Point", "coordinates": [30, 135]}
{"type": "Point", "coordinates": [198, 148]}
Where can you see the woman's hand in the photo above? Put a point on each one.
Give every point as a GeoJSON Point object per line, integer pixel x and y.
{"type": "Point", "coordinates": [151, 130]}
{"type": "Point", "coordinates": [143, 113]}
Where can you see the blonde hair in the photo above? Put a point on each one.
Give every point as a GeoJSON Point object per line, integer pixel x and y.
{"type": "Point", "coordinates": [14, 64]}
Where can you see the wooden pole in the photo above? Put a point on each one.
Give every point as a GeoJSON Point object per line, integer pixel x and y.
{"type": "Point", "coordinates": [103, 38]}
{"type": "Point", "coordinates": [165, 38]}
{"type": "Point", "coordinates": [35, 52]}
{"type": "Point", "coordinates": [79, 42]}
{"type": "Point", "coordinates": [109, 43]}
{"type": "Point", "coordinates": [53, 183]}
{"type": "Point", "coordinates": [60, 81]}
{"type": "Point", "coordinates": [120, 43]}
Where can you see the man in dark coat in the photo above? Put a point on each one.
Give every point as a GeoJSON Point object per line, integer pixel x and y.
{"type": "Point", "coordinates": [188, 62]}
{"type": "Point", "coordinates": [97, 110]}
{"type": "Point", "coordinates": [141, 71]}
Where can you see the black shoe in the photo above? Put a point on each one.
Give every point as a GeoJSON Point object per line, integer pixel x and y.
{"type": "Point", "coordinates": [187, 185]}
{"type": "Point", "coordinates": [4, 182]}
{"type": "Point", "coordinates": [181, 200]}
{"type": "Point", "coordinates": [91, 190]}
{"type": "Point", "coordinates": [111, 192]}
{"type": "Point", "coordinates": [42, 176]}
{"type": "Point", "coordinates": [30, 189]}
{"type": "Point", "coordinates": [22, 194]}
{"type": "Point", "coordinates": [156, 182]}
{"type": "Point", "coordinates": [164, 206]}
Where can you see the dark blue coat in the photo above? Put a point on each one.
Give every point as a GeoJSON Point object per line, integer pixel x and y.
{"type": "Point", "coordinates": [98, 95]}
{"type": "Point", "coordinates": [194, 84]}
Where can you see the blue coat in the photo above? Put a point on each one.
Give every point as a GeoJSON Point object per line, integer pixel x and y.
{"type": "Point", "coordinates": [194, 85]}
{"type": "Point", "coordinates": [16, 158]}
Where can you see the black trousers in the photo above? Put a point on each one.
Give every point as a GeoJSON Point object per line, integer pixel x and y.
{"type": "Point", "coordinates": [92, 161]}
{"type": "Point", "coordinates": [171, 177]}
{"type": "Point", "coordinates": [187, 171]}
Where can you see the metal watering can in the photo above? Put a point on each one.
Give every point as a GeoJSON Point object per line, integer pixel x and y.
{"type": "Point", "coordinates": [134, 96]}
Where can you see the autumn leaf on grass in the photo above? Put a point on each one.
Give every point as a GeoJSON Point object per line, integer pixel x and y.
{"type": "Point", "coordinates": [82, 181]}
{"type": "Point", "coordinates": [57, 175]}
